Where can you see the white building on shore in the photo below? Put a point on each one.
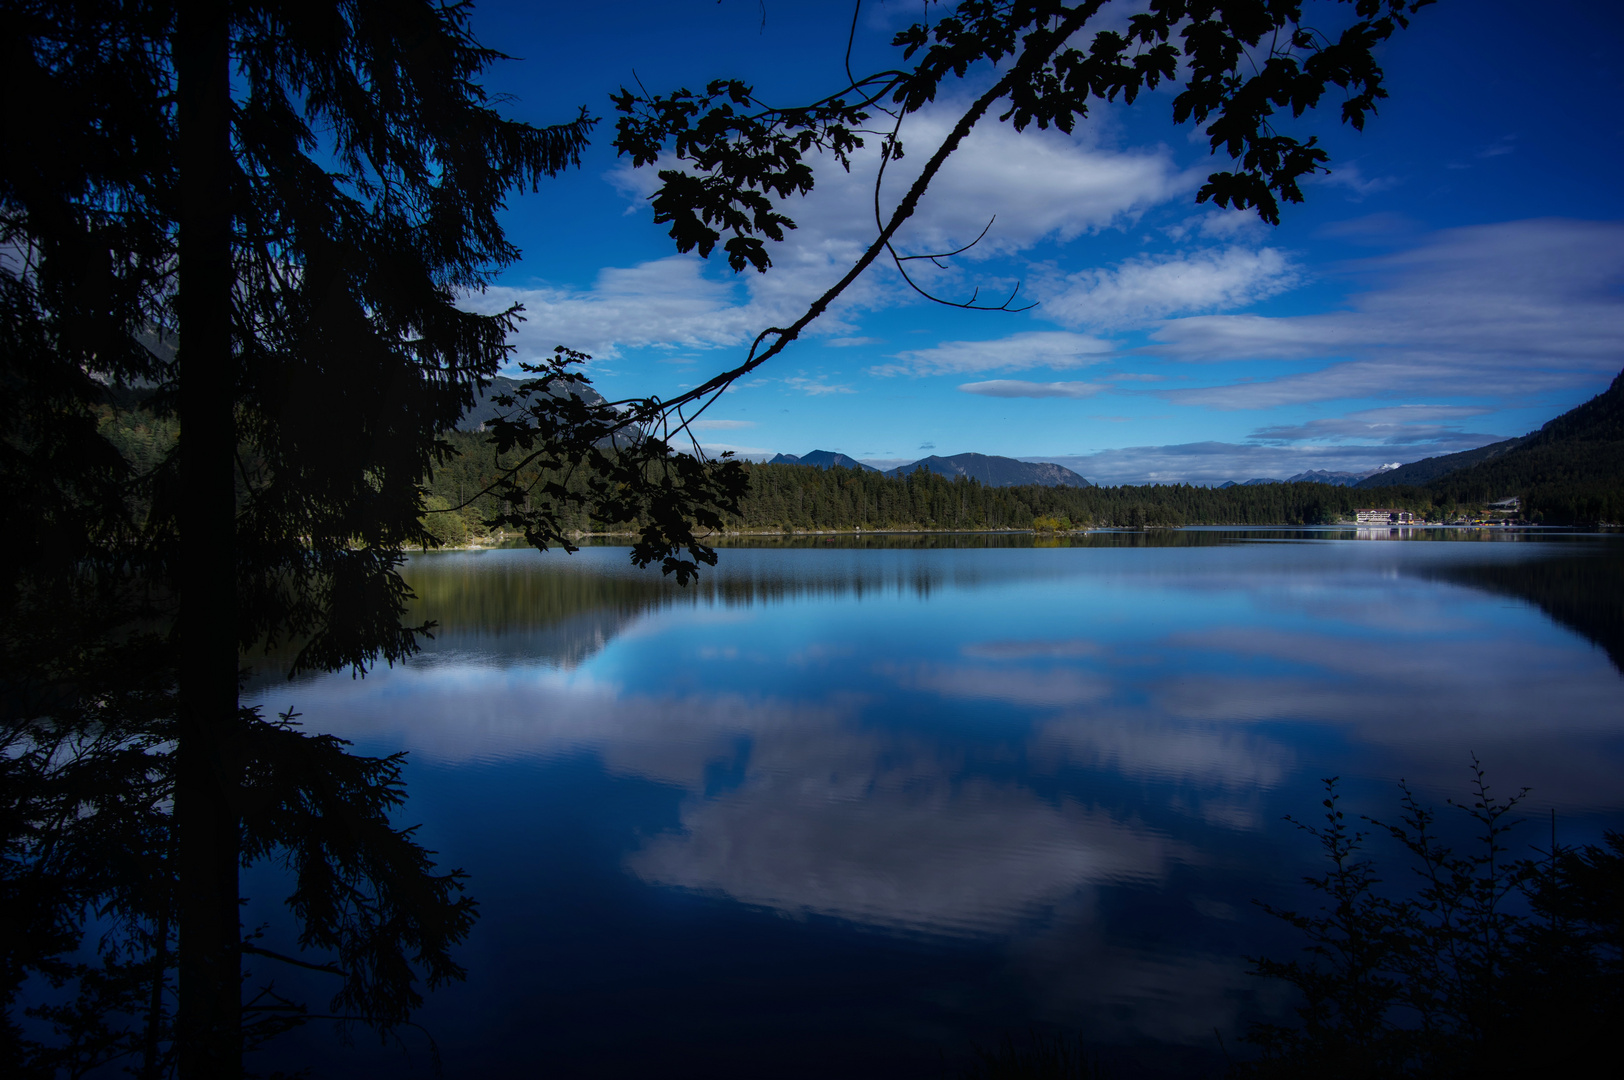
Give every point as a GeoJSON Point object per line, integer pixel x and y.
{"type": "Point", "coordinates": [1383, 517]}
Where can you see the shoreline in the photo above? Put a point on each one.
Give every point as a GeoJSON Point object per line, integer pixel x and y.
{"type": "Point", "coordinates": [500, 542]}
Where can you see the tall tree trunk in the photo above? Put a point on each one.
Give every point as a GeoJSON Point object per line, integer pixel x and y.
{"type": "Point", "coordinates": [209, 1024]}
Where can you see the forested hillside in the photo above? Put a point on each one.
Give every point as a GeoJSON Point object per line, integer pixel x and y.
{"type": "Point", "coordinates": [1418, 473]}
{"type": "Point", "coordinates": [799, 497]}
{"type": "Point", "coordinates": [789, 497]}
{"type": "Point", "coordinates": [1569, 471]}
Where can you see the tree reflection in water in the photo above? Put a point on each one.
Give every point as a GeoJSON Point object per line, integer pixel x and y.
{"type": "Point", "coordinates": [1584, 593]}
{"type": "Point", "coordinates": [86, 776]}
{"type": "Point", "coordinates": [87, 889]}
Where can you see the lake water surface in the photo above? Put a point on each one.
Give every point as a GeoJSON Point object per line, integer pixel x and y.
{"type": "Point", "coordinates": [848, 808]}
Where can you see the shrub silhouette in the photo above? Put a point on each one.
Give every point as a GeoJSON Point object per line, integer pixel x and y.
{"type": "Point", "coordinates": [1493, 965]}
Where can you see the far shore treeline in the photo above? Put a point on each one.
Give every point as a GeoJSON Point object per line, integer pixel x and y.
{"type": "Point", "coordinates": [1556, 486]}
{"type": "Point", "coordinates": [801, 497]}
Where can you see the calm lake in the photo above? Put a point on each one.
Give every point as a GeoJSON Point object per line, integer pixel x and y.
{"type": "Point", "coordinates": [847, 808]}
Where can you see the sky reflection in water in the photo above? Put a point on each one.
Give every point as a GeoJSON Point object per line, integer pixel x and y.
{"type": "Point", "coordinates": [847, 808]}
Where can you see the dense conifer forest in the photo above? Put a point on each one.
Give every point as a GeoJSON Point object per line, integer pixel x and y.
{"type": "Point", "coordinates": [796, 497]}
{"type": "Point", "coordinates": [1560, 483]}
{"type": "Point", "coordinates": [1569, 472]}
{"type": "Point", "coordinates": [806, 498]}
{"type": "Point", "coordinates": [800, 497]}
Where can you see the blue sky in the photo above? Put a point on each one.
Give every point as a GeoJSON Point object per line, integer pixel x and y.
{"type": "Point", "coordinates": [1457, 279]}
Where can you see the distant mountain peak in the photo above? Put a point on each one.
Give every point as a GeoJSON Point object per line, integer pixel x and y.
{"type": "Point", "coordinates": [995, 471]}
{"type": "Point", "coordinates": [989, 469]}
{"type": "Point", "coordinates": [823, 459]}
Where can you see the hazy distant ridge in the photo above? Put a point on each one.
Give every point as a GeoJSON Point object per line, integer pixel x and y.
{"type": "Point", "coordinates": [1316, 476]}
{"type": "Point", "coordinates": [989, 469]}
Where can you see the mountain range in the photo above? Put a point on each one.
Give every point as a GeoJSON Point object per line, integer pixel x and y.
{"type": "Point", "coordinates": [1317, 476]}
{"type": "Point", "coordinates": [1580, 452]}
{"type": "Point", "coordinates": [990, 470]}
{"type": "Point", "coordinates": [823, 459]}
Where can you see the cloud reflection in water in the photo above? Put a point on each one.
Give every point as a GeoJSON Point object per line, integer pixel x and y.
{"type": "Point", "coordinates": [982, 745]}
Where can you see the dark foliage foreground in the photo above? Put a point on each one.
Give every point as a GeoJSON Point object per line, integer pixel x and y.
{"type": "Point", "coordinates": [1481, 964]}
{"type": "Point", "coordinates": [1493, 965]}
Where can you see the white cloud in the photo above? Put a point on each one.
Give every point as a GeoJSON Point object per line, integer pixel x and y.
{"type": "Point", "coordinates": [1407, 414]}
{"type": "Point", "coordinates": [1399, 425]}
{"type": "Point", "coordinates": [667, 302]}
{"type": "Point", "coordinates": [721, 425]}
{"type": "Point", "coordinates": [1356, 443]}
{"type": "Point", "coordinates": [1231, 224]}
{"type": "Point", "coordinates": [1216, 224]}
{"type": "Point", "coordinates": [1349, 176]}
{"type": "Point", "coordinates": [1039, 185]}
{"type": "Point", "coordinates": [1033, 349]}
{"type": "Point", "coordinates": [1015, 388]}
{"type": "Point", "coordinates": [1492, 311]}
{"type": "Point", "coordinates": [751, 453]}
{"type": "Point", "coordinates": [1145, 289]}
{"type": "Point", "coordinates": [1216, 462]}
{"type": "Point", "coordinates": [816, 387]}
